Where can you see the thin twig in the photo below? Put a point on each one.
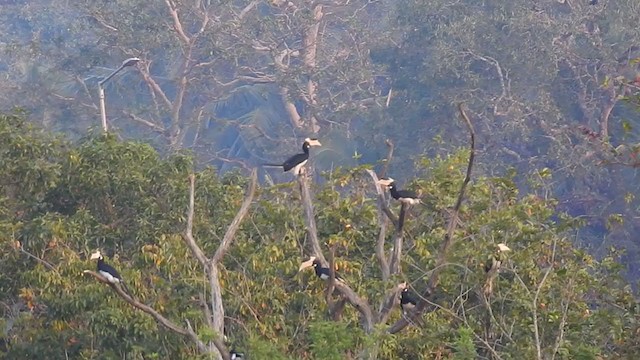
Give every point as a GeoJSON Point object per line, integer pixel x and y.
{"type": "Point", "coordinates": [41, 261]}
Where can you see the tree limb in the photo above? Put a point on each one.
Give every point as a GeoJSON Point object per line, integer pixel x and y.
{"type": "Point", "coordinates": [177, 25]}
{"type": "Point", "coordinates": [359, 303]}
{"type": "Point", "coordinates": [187, 236]}
{"type": "Point", "coordinates": [356, 301]}
{"type": "Point", "coordinates": [155, 88]}
{"type": "Point", "coordinates": [387, 161]}
{"type": "Point", "coordinates": [331, 284]}
{"type": "Point", "coordinates": [382, 234]}
{"type": "Point", "coordinates": [163, 320]}
{"type": "Point", "coordinates": [387, 304]}
{"type": "Point", "coordinates": [448, 238]}
{"type": "Point", "coordinates": [309, 217]}
{"type": "Point", "coordinates": [217, 308]}
{"type": "Point", "coordinates": [235, 224]}
{"type": "Point", "coordinates": [136, 118]}
{"type": "Point", "coordinates": [396, 254]}
{"type": "Point", "coordinates": [381, 199]}
{"type": "Point", "coordinates": [41, 261]}
{"type": "Point", "coordinates": [536, 330]}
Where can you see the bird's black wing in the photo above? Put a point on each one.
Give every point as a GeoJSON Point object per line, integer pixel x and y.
{"type": "Point", "coordinates": [320, 271]}
{"type": "Point", "coordinates": [294, 160]}
{"type": "Point", "coordinates": [407, 299]}
{"type": "Point", "coordinates": [108, 268]}
{"type": "Point", "coordinates": [406, 194]}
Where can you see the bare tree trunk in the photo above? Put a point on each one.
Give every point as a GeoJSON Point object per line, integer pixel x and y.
{"type": "Point", "coordinates": [215, 317]}
{"type": "Point", "coordinates": [310, 50]}
{"type": "Point", "coordinates": [290, 108]}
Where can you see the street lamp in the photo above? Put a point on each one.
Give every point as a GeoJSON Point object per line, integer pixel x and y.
{"type": "Point", "coordinates": [103, 112]}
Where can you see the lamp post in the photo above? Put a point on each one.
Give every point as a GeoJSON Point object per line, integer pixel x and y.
{"type": "Point", "coordinates": [103, 112]}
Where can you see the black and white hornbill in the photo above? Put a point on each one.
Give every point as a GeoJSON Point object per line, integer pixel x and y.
{"type": "Point", "coordinates": [234, 355]}
{"type": "Point", "coordinates": [297, 161]}
{"type": "Point", "coordinates": [107, 271]}
{"type": "Point", "coordinates": [404, 196]}
{"type": "Point", "coordinates": [407, 301]}
{"type": "Point", "coordinates": [321, 271]}
{"type": "Point", "coordinates": [496, 259]}
{"type": "Point", "coordinates": [492, 268]}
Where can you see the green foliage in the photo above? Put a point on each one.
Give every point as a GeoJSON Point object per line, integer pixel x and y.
{"type": "Point", "coordinates": [331, 340]}
{"type": "Point", "coordinates": [463, 347]}
{"type": "Point", "coordinates": [124, 198]}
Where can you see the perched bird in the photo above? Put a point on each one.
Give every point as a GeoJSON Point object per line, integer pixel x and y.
{"type": "Point", "coordinates": [296, 162]}
{"type": "Point", "coordinates": [107, 271]}
{"type": "Point", "coordinates": [492, 267]}
{"type": "Point", "coordinates": [321, 272]}
{"type": "Point", "coordinates": [234, 355]}
{"type": "Point", "coordinates": [407, 301]}
{"type": "Point", "coordinates": [404, 196]}
{"type": "Point", "coordinates": [496, 259]}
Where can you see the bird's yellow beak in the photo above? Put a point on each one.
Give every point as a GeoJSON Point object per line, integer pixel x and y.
{"type": "Point", "coordinates": [95, 255]}
{"type": "Point", "coordinates": [313, 142]}
{"type": "Point", "coordinates": [503, 247]}
{"type": "Point", "coordinates": [385, 182]}
{"type": "Point", "coordinates": [307, 264]}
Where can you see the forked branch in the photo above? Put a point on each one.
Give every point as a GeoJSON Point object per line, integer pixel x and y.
{"type": "Point", "coordinates": [237, 220]}
{"type": "Point", "coordinates": [448, 237]}
{"type": "Point", "coordinates": [188, 332]}
{"type": "Point", "coordinates": [356, 301]}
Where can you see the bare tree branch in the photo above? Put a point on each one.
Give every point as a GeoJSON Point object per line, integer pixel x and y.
{"type": "Point", "coordinates": [136, 118]}
{"type": "Point", "coordinates": [45, 263]}
{"type": "Point", "coordinates": [163, 320]}
{"type": "Point", "coordinates": [359, 303]}
{"type": "Point", "coordinates": [387, 161]}
{"type": "Point", "coordinates": [310, 221]}
{"type": "Point", "coordinates": [356, 301]}
{"type": "Point", "coordinates": [331, 284]}
{"type": "Point", "coordinates": [217, 307]}
{"type": "Point", "coordinates": [448, 238]}
{"type": "Point", "coordinates": [536, 330]}
{"type": "Point", "coordinates": [382, 210]}
{"type": "Point", "coordinates": [396, 254]}
{"type": "Point", "coordinates": [382, 234]}
{"type": "Point", "coordinates": [188, 234]}
{"type": "Point", "coordinates": [156, 89]}
{"type": "Point", "coordinates": [237, 220]}
{"type": "Point", "coordinates": [388, 303]}
{"type": "Point", "coordinates": [382, 204]}
{"type": "Point", "coordinates": [563, 322]}
{"type": "Point", "coordinates": [177, 25]}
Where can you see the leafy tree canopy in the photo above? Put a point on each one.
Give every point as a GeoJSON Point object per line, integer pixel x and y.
{"type": "Point", "coordinates": [60, 201]}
